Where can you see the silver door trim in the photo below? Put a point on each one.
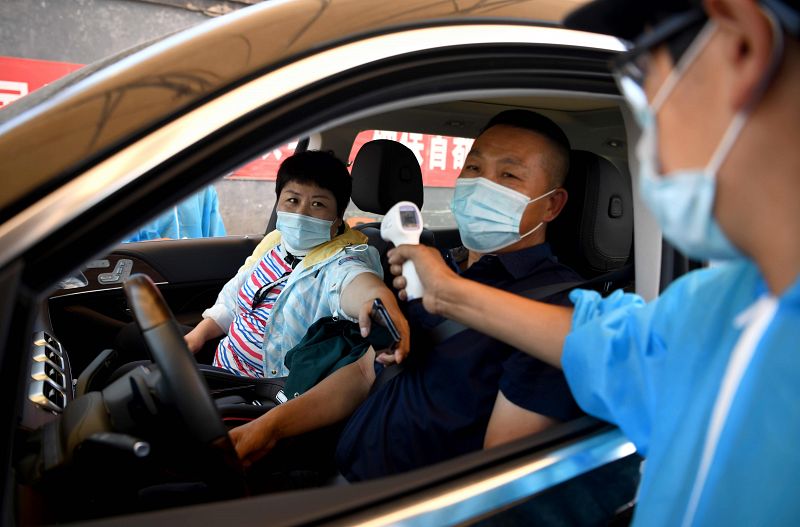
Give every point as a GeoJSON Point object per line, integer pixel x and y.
{"type": "Point", "coordinates": [475, 499]}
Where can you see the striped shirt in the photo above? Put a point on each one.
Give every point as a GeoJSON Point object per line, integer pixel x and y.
{"type": "Point", "coordinates": [241, 351]}
{"type": "Point", "coordinates": [311, 291]}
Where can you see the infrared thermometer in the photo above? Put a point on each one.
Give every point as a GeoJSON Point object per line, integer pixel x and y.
{"type": "Point", "coordinates": [403, 224]}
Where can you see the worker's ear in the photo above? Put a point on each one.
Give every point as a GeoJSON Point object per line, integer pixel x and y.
{"type": "Point", "coordinates": [747, 35]}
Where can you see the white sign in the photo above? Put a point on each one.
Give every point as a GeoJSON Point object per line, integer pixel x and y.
{"type": "Point", "coordinates": [10, 91]}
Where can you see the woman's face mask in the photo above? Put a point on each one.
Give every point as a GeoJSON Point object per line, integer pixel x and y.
{"type": "Point", "coordinates": [489, 215]}
{"type": "Point", "coordinates": [301, 232]}
{"type": "Point", "coordinates": [306, 214]}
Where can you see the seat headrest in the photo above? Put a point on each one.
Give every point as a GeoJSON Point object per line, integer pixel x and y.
{"type": "Point", "coordinates": [594, 232]}
{"type": "Point", "coordinates": [385, 172]}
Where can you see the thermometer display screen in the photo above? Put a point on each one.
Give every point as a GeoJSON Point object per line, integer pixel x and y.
{"type": "Point", "coordinates": [408, 218]}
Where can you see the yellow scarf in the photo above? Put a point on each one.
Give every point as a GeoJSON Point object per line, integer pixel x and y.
{"type": "Point", "coordinates": [315, 255]}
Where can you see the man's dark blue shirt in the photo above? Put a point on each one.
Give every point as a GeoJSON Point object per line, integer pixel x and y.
{"type": "Point", "coordinates": [439, 406]}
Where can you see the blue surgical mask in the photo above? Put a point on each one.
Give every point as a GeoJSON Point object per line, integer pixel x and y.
{"type": "Point", "coordinates": [683, 201]}
{"type": "Point", "coordinates": [488, 214]}
{"type": "Point", "coordinates": [301, 232]}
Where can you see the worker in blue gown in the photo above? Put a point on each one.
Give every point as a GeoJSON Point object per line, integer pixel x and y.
{"type": "Point", "coordinates": [704, 380]}
{"type": "Point", "coordinates": [197, 216]}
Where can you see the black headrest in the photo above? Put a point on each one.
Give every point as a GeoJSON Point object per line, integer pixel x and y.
{"type": "Point", "coordinates": [594, 232]}
{"type": "Point", "coordinates": [385, 172]}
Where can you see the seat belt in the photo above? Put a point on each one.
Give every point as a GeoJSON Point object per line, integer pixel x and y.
{"type": "Point", "coordinates": [449, 328]}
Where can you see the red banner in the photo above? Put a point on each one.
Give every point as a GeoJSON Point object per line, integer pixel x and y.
{"type": "Point", "coordinates": [440, 157]}
{"type": "Point", "coordinates": [264, 167]}
{"type": "Point", "coordinates": [19, 77]}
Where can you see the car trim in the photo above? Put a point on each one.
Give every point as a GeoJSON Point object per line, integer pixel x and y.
{"type": "Point", "coordinates": [101, 290]}
{"type": "Point", "coordinates": [485, 495]}
{"type": "Point", "coordinates": [114, 173]}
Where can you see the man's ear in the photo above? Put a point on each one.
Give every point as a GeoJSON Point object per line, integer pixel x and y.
{"type": "Point", "coordinates": [555, 204]}
{"type": "Point", "coordinates": [749, 41]}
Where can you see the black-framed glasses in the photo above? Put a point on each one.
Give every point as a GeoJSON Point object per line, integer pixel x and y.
{"type": "Point", "coordinates": [676, 32]}
{"type": "Point", "coordinates": [633, 63]}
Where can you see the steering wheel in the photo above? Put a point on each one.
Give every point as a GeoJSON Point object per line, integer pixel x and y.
{"type": "Point", "coordinates": [180, 379]}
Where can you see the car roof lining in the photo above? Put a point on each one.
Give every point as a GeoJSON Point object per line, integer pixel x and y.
{"type": "Point", "coordinates": [464, 113]}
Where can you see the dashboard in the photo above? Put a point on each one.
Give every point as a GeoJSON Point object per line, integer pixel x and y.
{"type": "Point", "coordinates": [51, 383]}
{"type": "Point", "coordinates": [77, 326]}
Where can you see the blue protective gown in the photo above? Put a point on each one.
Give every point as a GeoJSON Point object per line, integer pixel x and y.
{"type": "Point", "coordinates": [655, 370]}
{"type": "Point", "coordinates": [195, 217]}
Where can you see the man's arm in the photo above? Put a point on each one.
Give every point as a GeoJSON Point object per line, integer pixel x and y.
{"type": "Point", "coordinates": [509, 422]}
{"type": "Point", "coordinates": [536, 328]}
{"type": "Point", "coordinates": [332, 400]}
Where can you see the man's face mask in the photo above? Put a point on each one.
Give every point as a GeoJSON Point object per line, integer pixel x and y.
{"type": "Point", "coordinates": [300, 232]}
{"type": "Point", "coordinates": [683, 201]}
{"type": "Point", "coordinates": [488, 214]}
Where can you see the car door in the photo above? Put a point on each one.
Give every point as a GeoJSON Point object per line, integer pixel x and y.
{"type": "Point", "coordinates": [312, 91]}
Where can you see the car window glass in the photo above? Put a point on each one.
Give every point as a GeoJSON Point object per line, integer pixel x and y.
{"type": "Point", "coordinates": [441, 159]}
{"type": "Point", "coordinates": [239, 203]}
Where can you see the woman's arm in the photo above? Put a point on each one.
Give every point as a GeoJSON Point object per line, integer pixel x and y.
{"type": "Point", "coordinates": [202, 333]}
{"type": "Point", "coordinates": [332, 400]}
{"type": "Point", "coordinates": [356, 300]}
{"type": "Point", "coordinates": [536, 328]}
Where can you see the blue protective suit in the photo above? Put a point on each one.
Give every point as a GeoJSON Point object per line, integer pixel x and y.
{"type": "Point", "coordinates": [195, 217]}
{"type": "Point", "coordinates": [656, 369]}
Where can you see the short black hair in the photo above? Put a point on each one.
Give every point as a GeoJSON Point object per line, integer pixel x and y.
{"type": "Point", "coordinates": [629, 19]}
{"type": "Point", "coordinates": [539, 124]}
{"type": "Point", "coordinates": [319, 168]}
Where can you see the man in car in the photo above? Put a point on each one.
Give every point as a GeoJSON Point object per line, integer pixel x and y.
{"type": "Point", "coordinates": [467, 391]}
{"type": "Point", "coordinates": [705, 379]}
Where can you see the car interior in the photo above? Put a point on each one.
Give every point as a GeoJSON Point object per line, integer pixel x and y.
{"type": "Point", "coordinates": [89, 447]}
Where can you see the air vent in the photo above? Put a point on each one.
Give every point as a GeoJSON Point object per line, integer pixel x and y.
{"type": "Point", "coordinates": [41, 371]}
{"type": "Point", "coordinates": [48, 355]}
{"type": "Point", "coordinates": [42, 338]}
{"type": "Point", "coordinates": [48, 388]}
{"type": "Point", "coordinates": [47, 395]}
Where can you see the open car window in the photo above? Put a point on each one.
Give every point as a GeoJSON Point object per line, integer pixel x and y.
{"type": "Point", "coordinates": [237, 204]}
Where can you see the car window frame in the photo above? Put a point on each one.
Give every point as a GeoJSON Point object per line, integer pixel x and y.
{"type": "Point", "coordinates": [172, 176]}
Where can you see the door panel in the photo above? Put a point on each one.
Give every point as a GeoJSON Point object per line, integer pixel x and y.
{"type": "Point", "coordinates": [189, 273]}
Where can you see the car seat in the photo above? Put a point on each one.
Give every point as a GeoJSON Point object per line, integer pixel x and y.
{"type": "Point", "coordinates": [594, 232]}
{"type": "Point", "coordinates": [385, 172]}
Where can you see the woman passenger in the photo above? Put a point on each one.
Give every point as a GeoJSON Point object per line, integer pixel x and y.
{"type": "Point", "coordinates": [312, 266]}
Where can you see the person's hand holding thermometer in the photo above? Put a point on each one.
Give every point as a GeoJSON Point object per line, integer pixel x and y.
{"type": "Point", "coordinates": [403, 225]}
